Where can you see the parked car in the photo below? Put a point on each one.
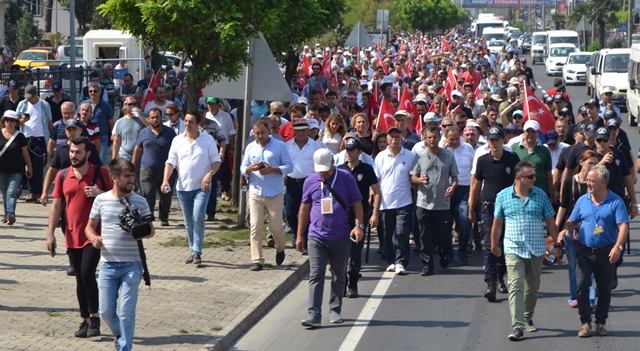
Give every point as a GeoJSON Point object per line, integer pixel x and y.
{"type": "Point", "coordinates": [524, 43]}
{"type": "Point", "coordinates": [496, 45]}
{"type": "Point", "coordinates": [26, 58]}
{"type": "Point", "coordinates": [170, 56]}
{"type": "Point", "coordinates": [64, 52]}
{"type": "Point", "coordinates": [575, 70]}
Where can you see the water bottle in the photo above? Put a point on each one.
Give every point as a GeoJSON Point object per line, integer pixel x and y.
{"type": "Point", "coordinates": [166, 189]}
{"type": "Point", "coordinates": [136, 114]}
{"type": "Point", "coordinates": [551, 259]}
{"type": "Point", "coordinates": [244, 189]}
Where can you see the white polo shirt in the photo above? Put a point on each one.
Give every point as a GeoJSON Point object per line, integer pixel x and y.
{"type": "Point", "coordinates": [225, 122]}
{"type": "Point", "coordinates": [302, 158]}
{"type": "Point", "coordinates": [464, 159]}
{"type": "Point", "coordinates": [395, 180]}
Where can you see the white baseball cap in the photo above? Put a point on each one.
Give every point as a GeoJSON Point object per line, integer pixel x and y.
{"type": "Point", "coordinates": [322, 160]}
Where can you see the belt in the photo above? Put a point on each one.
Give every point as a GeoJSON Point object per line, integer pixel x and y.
{"type": "Point", "coordinates": [35, 138]}
{"type": "Point", "coordinates": [464, 187]}
{"type": "Point", "coordinates": [298, 180]}
{"type": "Point", "coordinates": [592, 250]}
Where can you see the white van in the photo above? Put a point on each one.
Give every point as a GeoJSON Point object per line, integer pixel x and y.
{"type": "Point", "coordinates": [633, 93]}
{"type": "Point", "coordinates": [558, 54]}
{"type": "Point", "coordinates": [611, 71]}
{"type": "Point", "coordinates": [538, 47]}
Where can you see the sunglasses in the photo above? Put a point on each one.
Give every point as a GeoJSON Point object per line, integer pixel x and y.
{"type": "Point", "coordinates": [131, 104]}
{"type": "Point", "coordinates": [447, 125]}
{"type": "Point", "coordinates": [601, 141]}
{"type": "Point", "coordinates": [517, 117]}
{"type": "Point", "coordinates": [92, 91]}
{"type": "Point", "coordinates": [170, 114]}
{"type": "Point", "coordinates": [530, 176]}
{"type": "Point", "coordinates": [277, 113]}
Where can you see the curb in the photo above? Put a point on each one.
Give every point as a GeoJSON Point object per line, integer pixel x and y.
{"type": "Point", "coordinates": [258, 310]}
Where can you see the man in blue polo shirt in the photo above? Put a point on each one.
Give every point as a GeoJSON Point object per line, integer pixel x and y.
{"type": "Point", "coordinates": [604, 228]}
{"type": "Point", "coordinates": [152, 150]}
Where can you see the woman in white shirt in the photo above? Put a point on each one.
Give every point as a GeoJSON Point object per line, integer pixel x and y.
{"type": "Point", "coordinates": [334, 130]}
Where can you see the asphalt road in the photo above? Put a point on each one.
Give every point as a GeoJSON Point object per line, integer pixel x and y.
{"type": "Point", "coordinates": [447, 311]}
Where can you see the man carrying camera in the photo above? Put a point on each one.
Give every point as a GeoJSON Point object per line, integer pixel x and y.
{"type": "Point", "coordinates": [125, 218]}
{"type": "Point", "coordinates": [72, 197]}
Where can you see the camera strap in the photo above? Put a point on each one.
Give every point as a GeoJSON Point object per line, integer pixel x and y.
{"type": "Point", "coordinates": [145, 269]}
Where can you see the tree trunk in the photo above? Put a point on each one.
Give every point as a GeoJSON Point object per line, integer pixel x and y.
{"type": "Point", "coordinates": [48, 12]}
{"type": "Point", "coordinates": [193, 94]}
{"type": "Point", "coordinates": [238, 148]}
{"type": "Point", "coordinates": [601, 33]}
{"type": "Point", "coordinates": [292, 65]}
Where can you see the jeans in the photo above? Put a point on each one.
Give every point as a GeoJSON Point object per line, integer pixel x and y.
{"type": "Point", "coordinates": [597, 264]}
{"type": "Point", "coordinates": [493, 266]}
{"type": "Point", "coordinates": [84, 262]}
{"type": "Point", "coordinates": [460, 212]}
{"type": "Point", "coordinates": [9, 185]}
{"type": "Point", "coordinates": [212, 204]}
{"type": "Point", "coordinates": [104, 148]}
{"type": "Point", "coordinates": [274, 206]}
{"type": "Point", "coordinates": [434, 224]}
{"type": "Point", "coordinates": [524, 283]}
{"type": "Point", "coordinates": [194, 206]}
{"type": "Point", "coordinates": [321, 252]}
{"type": "Point", "coordinates": [572, 247]}
{"type": "Point", "coordinates": [123, 277]}
{"type": "Point", "coordinates": [397, 226]}
{"type": "Point", "coordinates": [150, 182]}
{"type": "Point", "coordinates": [37, 152]}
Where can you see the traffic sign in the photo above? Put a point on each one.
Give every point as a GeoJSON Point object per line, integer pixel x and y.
{"type": "Point", "coordinates": [624, 27]}
{"type": "Point", "coordinates": [583, 25]}
{"type": "Point", "coordinates": [382, 20]}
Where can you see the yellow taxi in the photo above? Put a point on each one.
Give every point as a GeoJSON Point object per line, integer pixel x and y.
{"type": "Point", "coordinates": [27, 56]}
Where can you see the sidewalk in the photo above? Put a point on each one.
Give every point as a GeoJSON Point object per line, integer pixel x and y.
{"type": "Point", "coordinates": [188, 308]}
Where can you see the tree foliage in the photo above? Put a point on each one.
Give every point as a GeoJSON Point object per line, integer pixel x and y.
{"type": "Point", "coordinates": [28, 34]}
{"type": "Point", "coordinates": [12, 14]}
{"type": "Point", "coordinates": [601, 12]}
{"type": "Point", "coordinates": [367, 12]}
{"type": "Point", "coordinates": [427, 15]}
{"type": "Point", "coordinates": [559, 20]}
{"type": "Point", "coordinates": [85, 13]}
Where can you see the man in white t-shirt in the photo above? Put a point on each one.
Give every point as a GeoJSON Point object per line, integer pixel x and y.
{"type": "Point", "coordinates": [160, 102]}
{"type": "Point", "coordinates": [224, 120]}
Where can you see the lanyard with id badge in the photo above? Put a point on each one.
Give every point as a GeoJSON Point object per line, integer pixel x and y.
{"type": "Point", "coordinates": [327, 201]}
{"type": "Point", "coordinates": [598, 228]}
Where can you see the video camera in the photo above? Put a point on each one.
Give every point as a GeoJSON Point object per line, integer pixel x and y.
{"type": "Point", "coordinates": [132, 222]}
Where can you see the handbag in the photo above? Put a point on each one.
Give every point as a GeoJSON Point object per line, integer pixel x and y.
{"type": "Point", "coordinates": [6, 146]}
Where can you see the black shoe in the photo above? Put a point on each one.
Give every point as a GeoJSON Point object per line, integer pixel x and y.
{"type": "Point", "coordinates": [164, 223]}
{"type": "Point", "coordinates": [502, 287]}
{"type": "Point", "coordinates": [82, 331]}
{"type": "Point", "coordinates": [71, 272]}
{"type": "Point", "coordinates": [490, 293]}
{"type": "Point", "coordinates": [426, 271]}
{"type": "Point", "coordinates": [444, 261]}
{"type": "Point", "coordinates": [211, 218]}
{"type": "Point", "coordinates": [516, 334]}
{"type": "Point", "coordinates": [94, 327]}
{"type": "Point", "coordinates": [197, 260]}
{"type": "Point", "coordinates": [352, 293]}
{"type": "Point", "coordinates": [255, 267]}
{"type": "Point", "coordinates": [279, 257]}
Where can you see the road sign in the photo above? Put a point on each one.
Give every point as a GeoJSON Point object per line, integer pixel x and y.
{"type": "Point", "coordinates": [624, 27]}
{"type": "Point", "coordinates": [583, 25]}
{"type": "Point", "coordinates": [359, 36]}
{"type": "Point", "coordinates": [382, 20]}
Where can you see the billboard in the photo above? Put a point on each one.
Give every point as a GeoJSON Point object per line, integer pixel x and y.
{"type": "Point", "coordinates": [507, 3]}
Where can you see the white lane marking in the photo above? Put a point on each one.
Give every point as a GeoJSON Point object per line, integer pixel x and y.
{"type": "Point", "coordinates": [369, 309]}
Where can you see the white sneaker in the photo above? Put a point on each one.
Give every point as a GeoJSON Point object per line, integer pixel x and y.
{"type": "Point", "coordinates": [400, 269]}
{"type": "Point", "coordinates": [391, 268]}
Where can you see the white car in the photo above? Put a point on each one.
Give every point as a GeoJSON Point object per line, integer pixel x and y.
{"type": "Point", "coordinates": [575, 70]}
{"type": "Point", "coordinates": [558, 54]}
{"type": "Point", "coordinates": [495, 46]}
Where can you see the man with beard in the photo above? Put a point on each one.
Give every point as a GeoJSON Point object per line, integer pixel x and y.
{"type": "Point", "coordinates": [151, 150]}
{"type": "Point", "coordinates": [160, 101]}
{"type": "Point", "coordinates": [74, 191]}
{"type": "Point", "coordinates": [126, 131]}
{"type": "Point", "coordinates": [121, 268]}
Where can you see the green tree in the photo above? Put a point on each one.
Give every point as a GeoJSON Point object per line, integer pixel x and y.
{"type": "Point", "coordinates": [12, 14]}
{"type": "Point", "coordinates": [427, 15]}
{"type": "Point", "coordinates": [28, 34]}
{"type": "Point", "coordinates": [85, 13]}
{"type": "Point", "coordinates": [367, 12]}
{"type": "Point", "coordinates": [559, 20]}
{"type": "Point", "coordinates": [600, 12]}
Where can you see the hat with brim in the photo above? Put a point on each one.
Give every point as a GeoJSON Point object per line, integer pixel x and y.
{"type": "Point", "coordinates": [300, 124]}
{"type": "Point", "coordinates": [10, 114]}
{"type": "Point", "coordinates": [495, 133]}
{"type": "Point", "coordinates": [496, 97]}
{"type": "Point", "coordinates": [322, 160]}
{"type": "Point", "coordinates": [353, 144]}
{"type": "Point", "coordinates": [30, 91]}
{"type": "Point", "coordinates": [394, 129]}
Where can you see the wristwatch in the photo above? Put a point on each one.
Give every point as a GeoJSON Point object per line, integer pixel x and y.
{"type": "Point", "coordinates": [361, 226]}
{"type": "Point", "coordinates": [621, 247]}
{"type": "Point", "coordinates": [557, 246]}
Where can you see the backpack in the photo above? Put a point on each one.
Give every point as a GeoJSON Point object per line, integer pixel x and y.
{"type": "Point", "coordinates": [97, 174]}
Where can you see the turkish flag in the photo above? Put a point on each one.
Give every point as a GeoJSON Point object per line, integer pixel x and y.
{"type": "Point", "coordinates": [324, 97]}
{"type": "Point", "coordinates": [149, 94]}
{"type": "Point", "coordinates": [445, 46]}
{"type": "Point", "coordinates": [536, 110]}
{"type": "Point", "coordinates": [335, 86]}
{"type": "Point", "coordinates": [376, 93]}
{"type": "Point", "coordinates": [450, 84]}
{"type": "Point", "coordinates": [373, 110]}
{"type": "Point", "coordinates": [407, 104]}
{"type": "Point", "coordinates": [326, 66]}
{"type": "Point", "coordinates": [385, 117]}
{"type": "Point", "coordinates": [307, 65]}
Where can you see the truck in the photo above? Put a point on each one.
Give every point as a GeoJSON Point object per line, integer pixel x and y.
{"type": "Point", "coordinates": [490, 33]}
{"type": "Point", "coordinates": [563, 37]}
{"type": "Point", "coordinates": [538, 47]}
{"type": "Point", "coordinates": [487, 22]}
{"type": "Point", "coordinates": [609, 68]}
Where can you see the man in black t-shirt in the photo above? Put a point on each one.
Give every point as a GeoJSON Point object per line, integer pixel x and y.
{"type": "Point", "coordinates": [366, 179]}
{"type": "Point", "coordinates": [11, 100]}
{"type": "Point", "coordinates": [494, 171]}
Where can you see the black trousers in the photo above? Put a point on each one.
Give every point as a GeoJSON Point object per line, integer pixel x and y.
{"type": "Point", "coordinates": [85, 261]}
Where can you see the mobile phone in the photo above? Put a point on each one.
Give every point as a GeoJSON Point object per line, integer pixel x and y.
{"type": "Point", "coordinates": [53, 252]}
{"type": "Point", "coordinates": [352, 239]}
{"type": "Point", "coordinates": [262, 165]}
{"type": "Point", "coordinates": [26, 115]}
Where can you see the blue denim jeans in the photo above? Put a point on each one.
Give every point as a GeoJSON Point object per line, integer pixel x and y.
{"type": "Point", "coordinates": [194, 207]}
{"type": "Point", "coordinates": [571, 248]}
{"type": "Point", "coordinates": [9, 185]}
{"type": "Point", "coordinates": [397, 226]}
{"type": "Point", "coordinates": [120, 281]}
{"type": "Point", "coordinates": [460, 212]}
{"type": "Point", "coordinates": [104, 148]}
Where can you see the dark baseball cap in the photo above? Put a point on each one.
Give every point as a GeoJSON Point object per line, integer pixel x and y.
{"type": "Point", "coordinates": [612, 122]}
{"type": "Point", "coordinates": [552, 137]}
{"type": "Point", "coordinates": [56, 87]}
{"type": "Point", "coordinates": [565, 111]}
{"type": "Point", "coordinates": [512, 128]}
{"type": "Point", "coordinates": [608, 114]}
{"type": "Point", "coordinates": [558, 98]}
{"type": "Point", "coordinates": [12, 84]}
{"type": "Point", "coordinates": [548, 99]}
{"type": "Point", "coordinates": [592, 102]}
{"type": "Point", "coordinates": [582, 110]}
{"type": "Point", "coordinates": [589, 128]}
{"type": "Point", "coordinates": [495, 133]}
{"type": "Point", "coordinates": [353, 144]}
{"type": "Point", "coordinates": [603, 134]}
{"type": "Point", "coordinates": [73, 123]}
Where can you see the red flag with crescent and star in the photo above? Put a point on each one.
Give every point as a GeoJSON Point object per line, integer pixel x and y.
{"type": "Point", "coordinates": [385, 117]}
{"type": "Point", "coordinates": [407, 104]}
{"type": "Point", "coordinates": [535, 110]}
